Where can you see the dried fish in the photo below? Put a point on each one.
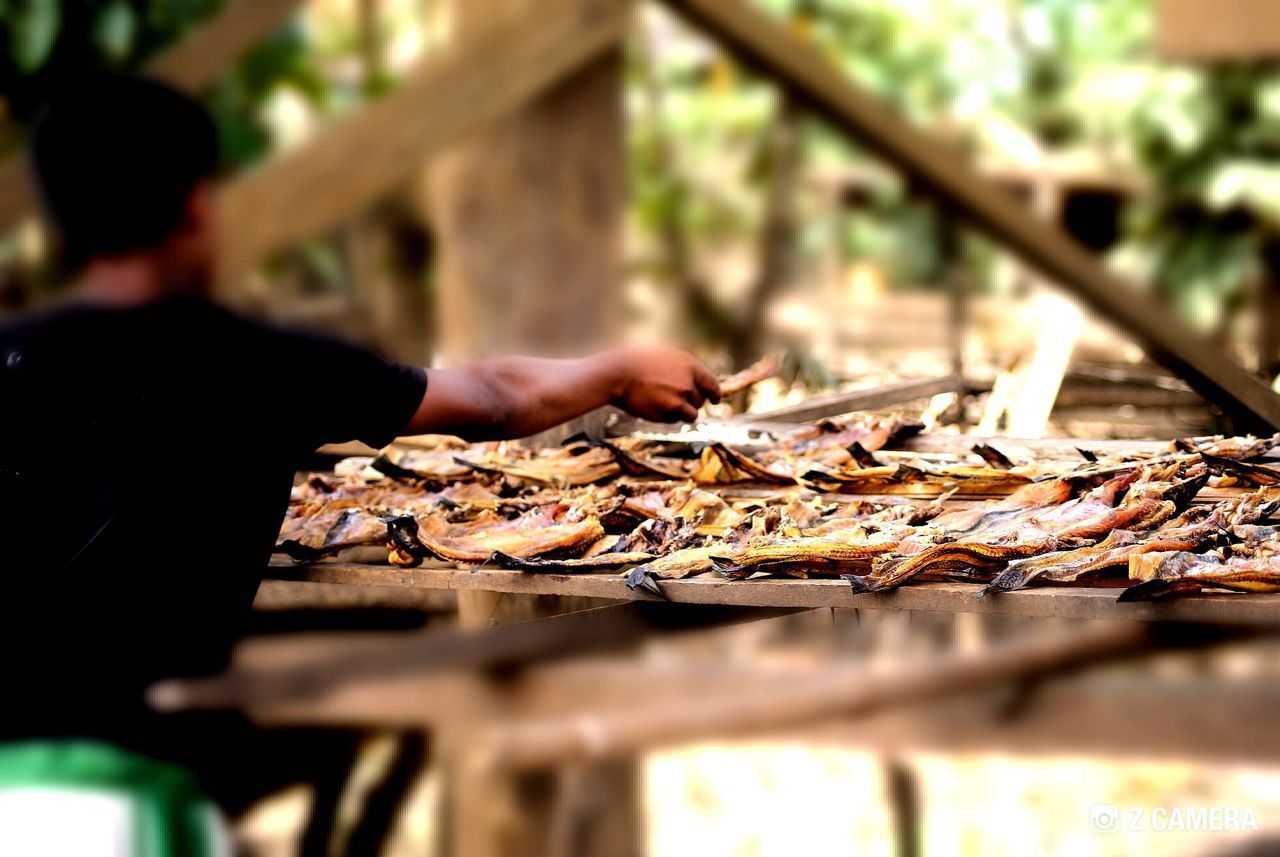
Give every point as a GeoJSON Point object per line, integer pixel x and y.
{"type": "Point", "coordinates": [765, 367]}
{"type": "Point", "coordinates": [597, 562]}
{"type": "Point", "coordinates": [671, 510]}
{"type": "Point", "coordinates": [541, 531]}
{"type": "Point", "coordinates": [1073, 524]}
{"type": "Point", "coordinates": [1187, 573]}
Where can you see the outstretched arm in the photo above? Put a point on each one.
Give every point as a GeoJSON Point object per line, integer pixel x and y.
{"type": "Point", "coordinates": [509, 397]}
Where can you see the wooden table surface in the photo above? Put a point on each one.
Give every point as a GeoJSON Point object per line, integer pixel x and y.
{"type": "Point", "coordinates": [1065, 602]}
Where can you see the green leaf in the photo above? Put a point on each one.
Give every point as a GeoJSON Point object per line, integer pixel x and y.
{"type": "Point", "coordinates": [115, 29]}
{"type": "Point", "coordinates": [33, 29]}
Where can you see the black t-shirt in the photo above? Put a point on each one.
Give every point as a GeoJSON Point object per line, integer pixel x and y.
{"type": "Point", "coordinates": [146, 456]}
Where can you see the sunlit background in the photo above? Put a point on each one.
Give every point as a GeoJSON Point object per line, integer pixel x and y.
{"type": "Point", "coordinates": [751, 226]}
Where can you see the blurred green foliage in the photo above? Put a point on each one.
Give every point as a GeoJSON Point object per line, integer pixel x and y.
{"type": "Point", "coordinates": [52, 42]}
{"type": "Point", "coordinates": [1004, 80]}
{"type": "Point", "coordinates": [1011, 81]}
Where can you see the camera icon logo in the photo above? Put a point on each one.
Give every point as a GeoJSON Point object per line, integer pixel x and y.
{"type": "Point", "coordinates": [1104, 818]}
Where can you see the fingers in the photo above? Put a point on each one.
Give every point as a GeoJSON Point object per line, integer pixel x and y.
{"type": "Point", "coordinates": [706, 382]}
{"type": "Point", "coordinates": [685, 413]}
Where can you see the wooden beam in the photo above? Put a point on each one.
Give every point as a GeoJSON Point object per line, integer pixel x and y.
{"type": "Point", "coordinates": [1217, 30]}
{"type": "Point", "coordinates": [285, 670]}
{"type": "Point", "coordinates": [961, 444]}
{"type": "Point", "coordinates": [363, 156]}
{"type": "Point", "coordinates": [590, 708]}
{"type": "Point", "coordinates": [191, 64]}
{"type": "Point", "coordinates": [210, 49]}
{"type": "Point", "coordinates": [275, 595]}
{"type": "Point", "coordinates": [1212, 720]}
{"type": "Point", "coordinates": [817, 408]}
{"type": "Point", "coordinates": [769, 46]}
{"type": "Point", "coordinates": [1190, 717]}
{"type": "Point", "coordinates": [1062, 602]}
{"type": "Point", "coordinates": [876, 398]}
{"type": "Point", "coordinates": [673, 715]}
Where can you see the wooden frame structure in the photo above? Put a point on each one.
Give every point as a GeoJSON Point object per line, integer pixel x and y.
{"type": "Point", "coordinates": [370, 151]}
{"type": "Point", "coordinates": [438, 682]}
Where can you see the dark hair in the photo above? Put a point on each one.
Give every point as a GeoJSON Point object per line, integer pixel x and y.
{"type": "Point", "coordinates": [116, 159]}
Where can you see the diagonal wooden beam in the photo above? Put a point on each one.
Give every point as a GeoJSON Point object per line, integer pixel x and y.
{"type": "Point", "coordinates": [362, 157]}
{"type": "Point", "coordinates": [191, 64]}
{"type": "Point", "coordinates": [1217, 30]}
{"type": "Point", "coordinates": [768, 46]}
{"type": "Point", "coordinates": [210, 49]}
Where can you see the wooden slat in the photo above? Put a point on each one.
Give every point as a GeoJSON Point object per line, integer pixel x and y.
{"type": "Point", "coordinates": [877, 398]}
{"type": "Point", "coordinates": [592, 707]}
{"type": "Point", "coordinates": [191, 64]}
{"type": "Point", "coordinates": [960, 444]}
{"type": "Point", "coordinates": [290, 670]}
{"type": "Point", "coordinates": [820, 407]}
{"type": "Point", "coordinates": [365, 155]}
{"type": "Point", "coordinates": [702, 710]}
{"type": "Point", "coordinates": [1191, 719]}
{"type": "Point", "coordinates": [769, 46]}
{"type": "Point", "coordinates": [1064, 602]}
{"type": "Point", "coordinates": [276, 595]}
{"type": "Point", "coordinates": [207, 52]}
{"type": "Point", "coordinates": [1218, 30]}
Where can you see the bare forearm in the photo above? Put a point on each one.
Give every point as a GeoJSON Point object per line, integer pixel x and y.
{"type": "Point", "coordinates": [536, 394]}
{"type": "Point", "coordinates": [510, 397]}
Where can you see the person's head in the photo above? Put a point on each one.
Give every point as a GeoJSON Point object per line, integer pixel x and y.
{"type": "Point", "coordinates": [125, 166]}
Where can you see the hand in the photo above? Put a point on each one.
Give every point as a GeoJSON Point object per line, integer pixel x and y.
{"type": "Point", "coordinates": [661, 384]}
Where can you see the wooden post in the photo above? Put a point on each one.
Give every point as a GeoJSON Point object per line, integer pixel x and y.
{"type": "Point", "coordinates": [527, 216]}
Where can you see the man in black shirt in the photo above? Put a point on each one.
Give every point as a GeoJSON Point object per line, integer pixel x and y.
{"type": "Point", "coordinates": [148, 438]}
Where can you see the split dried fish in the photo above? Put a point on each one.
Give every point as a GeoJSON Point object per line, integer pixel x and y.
{"type": "Point", "coordinates": [764, 368]}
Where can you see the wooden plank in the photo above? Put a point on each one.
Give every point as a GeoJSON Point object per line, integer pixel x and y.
{"type": "Point", "coordinates": [1193, 717]}
{"type": "Point", "coordinates": [591, 708]}
{"type": "Point", "coordinates": [770, 47]}
{"type": "Point", "coordinates": [286, 670]}
{"type": "Point", "coordinates": [303, 595]}
{"type": "Point", "coordinates": [191, 64]}
{"type": "Point", "coordinates": [876, 398]}
{"type": "Point", "coordinates": [363, 156]}
{"type": "Point", "coordinates": [670, 714]}
{"type": "Point", "coordinates": [1062, 602]}
{"type": "Point", "coordinates": [1103, 717]}
{"type": "Point", "coordinates": [210, 49]}
{"type": "Point", "coordinates": [959, 444]}
{"type": "Point", "coordinates": [819, 407]}
{"type": "Point", "coordinates": [1217, 30]}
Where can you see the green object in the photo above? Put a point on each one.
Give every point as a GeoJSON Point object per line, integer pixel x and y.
{"type": "Point", "coordinates": [171, 815]}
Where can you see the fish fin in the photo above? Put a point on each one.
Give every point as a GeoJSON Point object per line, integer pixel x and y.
{"type": "Point", "coordinates": [727, 568]}
{"type": "Point", "coordinates": [644, 581]}
{"type": "Point", "coordinates": [391, 470]}
{"type": "Point", "coordinates": [1158, 589]}
{"type": "Point", "coordinates": [1088, 455]}
{"type": "Point", "coordinates": [860, 584]}
{"type": "Point", "coordinates": [298, 552]}
{"type": "Point", "coordinates": [506, 561]}
{"type": "Point", "coordinates": [403, 532]}
{"type": "Point", "coordinates": [580, 437]}
{"type": "Point", "coordinates": [861, 455]}
{"type": "Point", "coordinates": [992, 456]}
{"type": "Point", "coordinates": [1009, 580]}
